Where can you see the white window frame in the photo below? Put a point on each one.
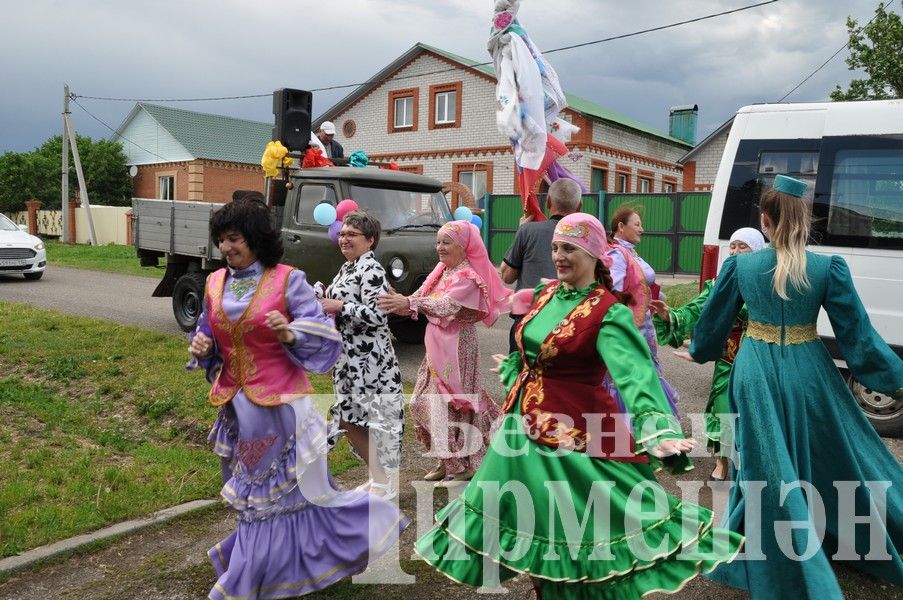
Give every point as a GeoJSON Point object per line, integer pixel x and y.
{"type": "Point", "coordinates": [473, 175]}
{"type": "Point", "coordinates": [166, 192]}
{"type": "Point", "coordinates": [446, 102]}
{"type": "Point", "coordinates": [645, 185]}
{"type": "Point", "coordinates": [406, 112]}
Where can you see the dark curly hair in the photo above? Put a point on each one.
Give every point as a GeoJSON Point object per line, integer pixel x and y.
{"type": "Point", "coordinates": [251, 219]}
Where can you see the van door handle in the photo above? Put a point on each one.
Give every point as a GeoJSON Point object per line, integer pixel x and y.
{"type": "Point", "coordinates": [295, 239]}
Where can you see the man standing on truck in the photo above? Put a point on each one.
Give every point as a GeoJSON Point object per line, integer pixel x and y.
{"type": "Point", "coordinates": [326, 135]}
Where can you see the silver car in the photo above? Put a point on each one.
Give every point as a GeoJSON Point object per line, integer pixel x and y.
{"type": "Point", "coordinates": [20, 252]}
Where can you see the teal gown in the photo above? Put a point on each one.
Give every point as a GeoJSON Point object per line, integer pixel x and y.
{"type": "Point", "coordinates": [799, 422]}
{"type": "Point", "coordinates": [529, 534]}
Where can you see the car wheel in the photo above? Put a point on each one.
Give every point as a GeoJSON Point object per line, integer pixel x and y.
{"type": "Point", "coordinates": [885, 413]}
{"type": "Point", "coordinates": [34, 276]}
{"type": "Point", "coordinates": [408, 331]}
{"type": "Point", "coordinates": [188, 299]}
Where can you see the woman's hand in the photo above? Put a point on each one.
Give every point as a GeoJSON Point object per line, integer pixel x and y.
{"type": "Point", "coordinates": [393, 302]}
{"type": "Point", "coordinates": [660, 308]}
{"type": "Point", "coordinates": [498, 358]}
{"type": "Point", "coordinates": [331, 306]}
{"type": "Point", "coordinates": [670, 447]}
{"type": "Point", "coordinates": [277, 322]}
{"type": "Point", "coordinates": [200, 345]}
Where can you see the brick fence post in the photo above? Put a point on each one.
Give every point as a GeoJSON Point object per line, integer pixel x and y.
{"type": "Point", "coordinates": [33, 207]}
{"type": "Point", "coordinates": [129, 240]}
{"type": "Point", "coordinates": [74, 204]}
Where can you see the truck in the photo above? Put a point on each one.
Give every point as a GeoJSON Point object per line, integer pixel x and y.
{"type": "Point", "coordinates": [411, 208]}
{"type": "Point", "coordinates": [851, 154]}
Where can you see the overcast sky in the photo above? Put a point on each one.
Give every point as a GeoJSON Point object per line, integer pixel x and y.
{"type": "Point", "coordinates": [157, 49]}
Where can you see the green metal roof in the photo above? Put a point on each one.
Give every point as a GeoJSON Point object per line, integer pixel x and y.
{"type": "Point", "coordinates": [581, 105]}
{"type": "Point", "coordinates": [213, 137]}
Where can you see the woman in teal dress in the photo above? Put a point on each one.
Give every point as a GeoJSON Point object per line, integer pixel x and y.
{"type": "Point", "coordinates": [674, 325]}
{"type": "Point", "coordinates": [798, 423]}
{"type": "Point", "coordinates": [552, 465]}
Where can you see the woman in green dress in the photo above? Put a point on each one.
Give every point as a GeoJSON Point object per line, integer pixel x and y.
{"type": "Point", "coordinates": [674, 325]}
{"type": "Point", "coordinates": [566, 492]}
{"type": "Point", "coordinates": [799, 428]}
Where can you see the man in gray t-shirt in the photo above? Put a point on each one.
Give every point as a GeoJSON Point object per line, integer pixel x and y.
{"type": "Point", "coordinates": [529, 259]}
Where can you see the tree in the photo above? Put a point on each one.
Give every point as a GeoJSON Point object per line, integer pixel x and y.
{"type": "Point", "coordinates": [876, 48]}
{"type": "Point", "coordinates": [36, 174]}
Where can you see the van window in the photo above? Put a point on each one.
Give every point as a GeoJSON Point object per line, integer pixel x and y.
{"type": "Point", "coordinates": [309, 196]}
{"type": "Point", "coordinates": [860, 193]}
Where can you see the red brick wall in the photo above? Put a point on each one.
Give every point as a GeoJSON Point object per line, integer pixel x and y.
{"type": "Point", "coordinates": [145, 182]}
{"type": "Point", "coordinates": [222, 178]}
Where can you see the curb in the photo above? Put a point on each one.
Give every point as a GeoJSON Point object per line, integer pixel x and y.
{"type": "Point", "coordinates": [26, 559]}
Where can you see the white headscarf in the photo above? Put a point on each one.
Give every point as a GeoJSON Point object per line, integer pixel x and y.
{"type": "Point", "coordinates": [750, 236]}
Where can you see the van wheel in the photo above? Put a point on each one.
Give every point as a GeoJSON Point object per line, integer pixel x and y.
{"type": "Point", "coordinates": [408, 331]}
{"type": "Point", "coordinates": [188, 299]}
{"type": "Point", "coordinates": [885, 413]}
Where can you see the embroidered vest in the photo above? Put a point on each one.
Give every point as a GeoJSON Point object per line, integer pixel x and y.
{"type": "Point", "coordinates": [565, 379]}
{"type": "Point", "coordinates": [253, 357]}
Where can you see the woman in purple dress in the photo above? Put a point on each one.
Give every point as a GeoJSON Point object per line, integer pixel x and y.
{"type": "Point", "coordinates": [261, 330]}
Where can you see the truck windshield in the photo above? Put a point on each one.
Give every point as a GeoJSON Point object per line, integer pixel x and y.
{"type": "Point", "coordinates": [401, 208]}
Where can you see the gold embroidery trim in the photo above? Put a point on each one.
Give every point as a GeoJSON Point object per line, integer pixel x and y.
{"type": "Point", "coordinates": [792, 334]}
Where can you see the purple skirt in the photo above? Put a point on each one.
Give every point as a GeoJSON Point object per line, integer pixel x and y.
{"type": "Point", "coordinates": [296, 532]}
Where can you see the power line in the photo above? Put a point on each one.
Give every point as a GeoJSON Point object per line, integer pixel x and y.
{"type": "Point", "coordinates": [440, 71]}
{"type": "Point", "coordinates": [833, 56]}
{"type": "Point", "coordinates": [90, 114]}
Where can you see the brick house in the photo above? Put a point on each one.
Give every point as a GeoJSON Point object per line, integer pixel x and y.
{"type": "Point", "coordinates": [700, 165]}
{"type": "Point", "coordinates": [433, 113]}
{"type": "Point", "coordinates": [186, 155]}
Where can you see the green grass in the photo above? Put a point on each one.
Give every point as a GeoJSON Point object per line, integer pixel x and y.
{"type": "Point", "coordinates": [111, 258]}
{"type": "Point", "coordinates": [681, 293]}
{"type": "Point", "coordinates": [100, 423]}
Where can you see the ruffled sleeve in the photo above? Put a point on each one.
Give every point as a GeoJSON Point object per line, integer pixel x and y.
{"type": "Point", "coordinates": [317, 344]}
{"type": "Point", "coordinates": [509, 369]}
{"type": "Point", "coordinates": [627, 356]}
{"type": "Point", "coordinates": [213, 362]}
{"type": "Point", "coordinates": [870, 359]}
{"type": "Point", "coordinates": [718, 315]}
{"type": "Point", "coordinates": [681, 320]}
{"type": "Point", "coordinates": [463, 300]}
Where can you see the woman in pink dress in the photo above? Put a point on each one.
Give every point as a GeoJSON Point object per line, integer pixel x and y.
{"type": "Point", "coordinates": [453, 414]}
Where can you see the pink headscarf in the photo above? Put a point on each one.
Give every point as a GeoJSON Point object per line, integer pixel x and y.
{"type": "Point", "coordinates": [468, 237]}
{"type": "Point", "coordinates": [587, 233]}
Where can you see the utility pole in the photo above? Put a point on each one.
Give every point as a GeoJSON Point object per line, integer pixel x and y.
{"type": "Point", "coordinates": [65, 182]}
{"type": "Point", "coordinates": [69, 133]}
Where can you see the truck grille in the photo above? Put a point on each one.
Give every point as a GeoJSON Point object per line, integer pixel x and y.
{"type": "Point", "coordinates": [14, 253]}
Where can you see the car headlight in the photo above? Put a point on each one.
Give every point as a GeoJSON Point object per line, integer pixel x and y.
{"type": "Point", "coordinates": [396, 268]}
{"type": "Point", "coordinates": [39, 246]}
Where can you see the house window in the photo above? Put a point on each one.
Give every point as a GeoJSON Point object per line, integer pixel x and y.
{"type": "Point", "coordinates": [166, 185]}
{"type": "Point", "coordinates": [645, 185]}
{"type": "Point", "coordinates": [445, 105]}
{"type": "Point", "coordinates": [477, 177]}
{"type": "Point", "coordinates": [598, 180]}
{"type": "Point", "coordinates": [668, 187]}
{"type": "Point", "coordinates": [403, 110]}
{"type": "Point", "coordinates": [623, 183]}
{"type": "Point", "coordinates": [445, 108]}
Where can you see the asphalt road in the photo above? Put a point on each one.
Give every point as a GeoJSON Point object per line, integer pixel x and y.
{"type": "Point", "coordinates": [127, 299]}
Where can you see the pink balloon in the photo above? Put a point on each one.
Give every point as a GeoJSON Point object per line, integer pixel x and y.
{"type": "Point", "coordinates": [344, 207]}
{"type": "Point", "coordinates": [333, 231]}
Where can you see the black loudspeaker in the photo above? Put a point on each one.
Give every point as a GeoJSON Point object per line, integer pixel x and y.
{"type": "Point", "coordinates": [292, 110]}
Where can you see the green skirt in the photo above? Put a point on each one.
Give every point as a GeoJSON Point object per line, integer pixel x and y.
{"type": "Point", "coordinates": [565, 521]}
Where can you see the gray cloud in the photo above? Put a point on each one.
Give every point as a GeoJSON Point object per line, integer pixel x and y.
{"type": "Point", "coordinates": [202, 48]}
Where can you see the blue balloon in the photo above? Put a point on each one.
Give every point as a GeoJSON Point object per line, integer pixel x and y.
{"type": "Point", "coordinates": [462, 213]}
{"type": "Point", "coordinates": [476, 220]}
{"type": "Point", "coordinates": [324, 214]}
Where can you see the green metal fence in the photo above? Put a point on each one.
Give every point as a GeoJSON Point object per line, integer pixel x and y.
{"type": "Point", "coordinates": [674, 225]}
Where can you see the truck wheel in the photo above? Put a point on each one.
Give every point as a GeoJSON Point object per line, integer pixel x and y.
{"type": "Point", "coordinates": [188, 299]}
{"type": "Point", "coordinates": [885, 413]}
{"type": "Point", "coordinates": [408, 331]}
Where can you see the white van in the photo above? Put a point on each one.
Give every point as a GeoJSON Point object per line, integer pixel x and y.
{"type": "Point", "coordinates": [851, 153]}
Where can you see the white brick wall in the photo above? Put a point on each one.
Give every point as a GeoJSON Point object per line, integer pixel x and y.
{"type": "Point", "coordinates": [478, 131]}
{"type": "Point", "coordinates": [709, 158]}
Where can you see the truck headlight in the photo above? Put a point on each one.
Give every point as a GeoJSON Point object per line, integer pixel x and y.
{"type": "Point", "coordinates": [396, 268]}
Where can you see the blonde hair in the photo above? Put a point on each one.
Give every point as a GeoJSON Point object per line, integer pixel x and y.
{"type": "Point", "coordinates": [789, 232]}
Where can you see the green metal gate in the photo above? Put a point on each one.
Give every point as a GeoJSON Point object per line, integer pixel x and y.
{"type": "Point", "coordinates": [674, 225]}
